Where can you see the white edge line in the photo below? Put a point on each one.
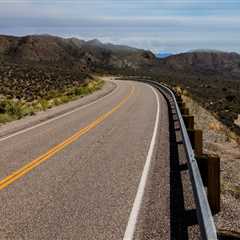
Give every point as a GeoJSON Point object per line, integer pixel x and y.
{"type": "Point", "coordinates": [58, 117]}
{"type": "Point", "coordinates": [132, 221]}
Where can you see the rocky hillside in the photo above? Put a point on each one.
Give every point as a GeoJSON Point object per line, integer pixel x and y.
{"type": "Point", "coordinates": [34, 68]}
{"type": "Point", "coordinates": [205, 61]}
{"type": "Point", "coordinates": [85, 55]}
{"type": "Point", "coordinates": [210, 77]}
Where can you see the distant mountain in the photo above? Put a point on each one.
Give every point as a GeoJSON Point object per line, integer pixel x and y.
{"type": "Point", "coordinates": [163, 54]}
{"type": "Point", "coordinates": [47, 49]}
{"type": "Point", "coordinates": [207, 50]}
{"type": "Point", "coordinates": [93, 54]}
{"type": "Point", "coordinates": [204, 61]}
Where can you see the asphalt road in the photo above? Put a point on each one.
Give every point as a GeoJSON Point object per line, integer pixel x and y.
{"type": "Point", "coordinates": [89, 174]}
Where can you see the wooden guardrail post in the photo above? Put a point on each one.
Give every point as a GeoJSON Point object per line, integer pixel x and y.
{"type": "Point", "coordinates": [189, 121]}
{"type": "Point", "coordinates": [178, 98]}
{"type": "Point", "coordinates": [185, 111]}
{"type": "Point", "coordinates": [209, 166]}
{"type": "Point", "coordinates": [213, 183]}
{"type": "Point", "coordinates": [196, 138]}
{"type": "Point", "coordinates": [202, 162]}
{"type": "Point", "coordinates": [181, 105]}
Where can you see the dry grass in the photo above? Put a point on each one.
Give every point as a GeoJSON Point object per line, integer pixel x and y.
{"type": "Point", "coordinates": [12, 109]}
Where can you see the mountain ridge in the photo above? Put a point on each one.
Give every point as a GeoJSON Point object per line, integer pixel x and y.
{"type": "Point", "coordinates": [218, 62]}
{"type": "Point", "coordinates": [71, 51]}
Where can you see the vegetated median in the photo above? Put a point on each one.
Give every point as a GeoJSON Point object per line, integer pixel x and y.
{"type": "Point", "coordinates": [13, 108]}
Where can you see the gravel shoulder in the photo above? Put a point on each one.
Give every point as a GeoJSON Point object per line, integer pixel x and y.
{"type": "Point", "coordinates": [218, 139]}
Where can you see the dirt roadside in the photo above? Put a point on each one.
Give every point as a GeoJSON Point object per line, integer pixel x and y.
{"type": "Point", "coordinates": [219, 140]}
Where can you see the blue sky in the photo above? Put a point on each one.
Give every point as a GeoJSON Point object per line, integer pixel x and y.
{"type": "Point", "coordinates": [158, 25]}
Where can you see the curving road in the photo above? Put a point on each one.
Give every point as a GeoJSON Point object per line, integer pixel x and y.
{"type": "Point", "coordinates": [90, 173]}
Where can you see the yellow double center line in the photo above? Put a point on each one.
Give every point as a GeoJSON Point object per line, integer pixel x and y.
{"type": "Point", "coordinates": [34, 163]}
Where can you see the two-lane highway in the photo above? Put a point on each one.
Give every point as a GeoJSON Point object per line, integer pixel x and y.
{"type": "Point", "coordinates": [83, 175]}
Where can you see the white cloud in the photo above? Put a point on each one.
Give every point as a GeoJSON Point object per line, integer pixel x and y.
{"type": "Point", "coordinates": [152, 24]}
{"type": "Point", "coordinates": [164, 22]}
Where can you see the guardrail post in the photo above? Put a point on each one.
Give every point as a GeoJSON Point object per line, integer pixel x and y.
{"type": "Point", "coordinates": [213, 183]}
{"type": "Point", "coordinates": [189, 121]}
{"type": "Point", "coordinates": [181, 105]}
{"type": "Point", "coordinates": [185, 111]}
{"type": "Point", "coordinates": [209, 166]}
{"type": "Point", "coordinates": [202, 162]}
{"type": "Point", "coordinates": [178, 98]}
{"type": "Point", "coordinates": [196, 139]}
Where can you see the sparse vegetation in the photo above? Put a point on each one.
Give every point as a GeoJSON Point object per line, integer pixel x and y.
{"type": "Point", "coordinates": [34, 81]}
{"type": "Point", "coordinates": [14, 108]}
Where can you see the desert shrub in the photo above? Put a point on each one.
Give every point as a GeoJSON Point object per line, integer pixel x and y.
{"type": "Point", "coordinates": [64, 99]}
{"type": "Point", "coordinates": [28, 111]}
{"type": "Point", "coordinates": [57, 101]}
{"type": "Point", "coordinates": [13, 108]}
{"type": "Point", "coordinates": [44, 104]}
{"type": "Point", "coordinates": [78, 91]}
{"type": "Point", "coordinates": [52, 94]}
{"type": "Point", "coordinates": [5, 118]}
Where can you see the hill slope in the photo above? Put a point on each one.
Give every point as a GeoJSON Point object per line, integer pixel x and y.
{"type": "Point", "coordinates": [202, 61]}
{"type": "Point", "coordinates": [84, 54]}
{"type": "Point", "coordinates": [210, 77]}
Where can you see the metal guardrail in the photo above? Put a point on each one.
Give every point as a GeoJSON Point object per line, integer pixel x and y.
{"type": "Point", "coordinates": [204, 215]}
